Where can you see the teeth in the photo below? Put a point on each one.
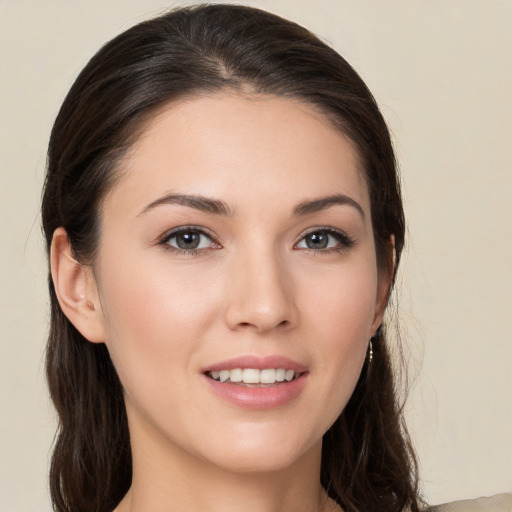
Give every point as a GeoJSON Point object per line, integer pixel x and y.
{"type": "Point", "coordinates": [268, 376]}
{"type": "Point", "coordinates": [289, 375]}
{"type": "Point", "coordinates": [255, 376]}
{"type": "Point", "coordinates": [236, 375]}
{"type": "Point", "coordinates": [251, 376]}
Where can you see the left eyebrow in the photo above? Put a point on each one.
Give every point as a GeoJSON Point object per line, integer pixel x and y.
{"type": "Point", "coordinates": [323, 203]}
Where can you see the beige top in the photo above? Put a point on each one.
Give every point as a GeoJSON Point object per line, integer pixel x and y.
{"type": "Point", "coordinates": [497, 503]}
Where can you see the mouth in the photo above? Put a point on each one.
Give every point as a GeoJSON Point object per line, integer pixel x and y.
{"type": "Point", "coordinates": [257, 382]}
{"type": "Point", "coordinates": [254, 377]}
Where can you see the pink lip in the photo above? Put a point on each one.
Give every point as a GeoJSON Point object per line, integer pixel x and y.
{"type": "Point", "coordinates": [258, 362]}
{"type": "Point", "coordinates": [258, 398]}
{"type": "Point", "coordinates": [255, 397]}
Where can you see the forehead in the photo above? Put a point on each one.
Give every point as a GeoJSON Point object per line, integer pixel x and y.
{"type": "Point", "coordinates": [233, 146]}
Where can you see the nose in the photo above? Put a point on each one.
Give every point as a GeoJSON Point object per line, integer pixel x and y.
{"type": "Point", "coordinates": [261, 295]}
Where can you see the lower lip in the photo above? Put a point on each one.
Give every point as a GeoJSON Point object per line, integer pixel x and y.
{"type": "Point", "coordinates": [267, 397]}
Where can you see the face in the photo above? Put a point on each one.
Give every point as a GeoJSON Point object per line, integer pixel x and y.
{"type": "Point", "coordinates": [237, 280]}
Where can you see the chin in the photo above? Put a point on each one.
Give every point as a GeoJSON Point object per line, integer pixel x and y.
{"type": "Point", "coordinates": [263, 455]}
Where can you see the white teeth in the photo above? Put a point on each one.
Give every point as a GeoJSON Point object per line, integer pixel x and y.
{"type": "Point", "coordinates": [268, 376]}
{"type": "Point", "coordinates": [251, 376]}
{"type": "Point", "coordinates": [224, 375]}
{"type": "Point", "coordinates": [236, 375]}
{"type": "Point", "coordinates": [255, 376]}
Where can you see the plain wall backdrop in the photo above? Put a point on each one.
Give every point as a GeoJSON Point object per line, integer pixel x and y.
{"type": "Point", "coordinates": [442, 74]}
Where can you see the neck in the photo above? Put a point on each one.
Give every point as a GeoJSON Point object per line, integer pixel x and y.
{"type": "Point", "coordinates": [166, 480]}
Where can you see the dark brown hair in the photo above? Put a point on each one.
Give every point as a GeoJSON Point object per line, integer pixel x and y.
{"type": "Point", "coordinates": [367, 460]}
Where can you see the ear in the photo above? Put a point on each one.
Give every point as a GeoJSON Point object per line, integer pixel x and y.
{"type": "Point", "coordinates": [385, 280]}
{"type": "Point", "coordinates": [76, 289]}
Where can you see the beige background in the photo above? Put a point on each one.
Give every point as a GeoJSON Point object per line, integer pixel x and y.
{"type": "Point", "coordinates": [442, 73]}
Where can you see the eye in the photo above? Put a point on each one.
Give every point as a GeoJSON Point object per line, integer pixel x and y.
{"type": "Point", "coordinates": [188, 240]}
{"type": "Point", "coordinates": [324, 239]}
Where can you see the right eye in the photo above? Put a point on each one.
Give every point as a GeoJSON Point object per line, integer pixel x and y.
{"type": "Point", "coordinates": [189, 240]}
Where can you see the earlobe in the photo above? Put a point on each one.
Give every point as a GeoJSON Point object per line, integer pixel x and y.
{"type": "Point", "coordinates": [76, 289]}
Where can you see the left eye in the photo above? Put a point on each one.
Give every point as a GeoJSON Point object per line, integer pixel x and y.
{"type": "Point", "coordinates": [323, 239]}
{"type": "Point", "coordinates": [189, 240]}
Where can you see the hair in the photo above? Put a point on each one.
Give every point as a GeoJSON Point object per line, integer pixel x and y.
{"type": "Point", "coordinates": [367, 459]}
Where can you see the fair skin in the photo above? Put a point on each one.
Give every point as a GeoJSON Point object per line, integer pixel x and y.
{"type": "Point", "coordinates": [240, 228]}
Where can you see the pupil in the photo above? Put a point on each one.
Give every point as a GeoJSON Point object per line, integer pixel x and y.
{"type": "Point", "coordinates": [187, 240]}
{"type": "Point", "coordinates": [317, 241]}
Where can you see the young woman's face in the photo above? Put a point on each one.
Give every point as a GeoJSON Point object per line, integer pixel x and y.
{"type": "Point", "coordinates": [238, 245]}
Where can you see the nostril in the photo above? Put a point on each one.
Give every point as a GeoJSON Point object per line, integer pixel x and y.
{"type": "Point", "coordinates": [246, 325]}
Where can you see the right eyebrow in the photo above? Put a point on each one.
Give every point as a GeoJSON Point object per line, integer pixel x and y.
{"type": "Point", "coordinates": [197, 202]}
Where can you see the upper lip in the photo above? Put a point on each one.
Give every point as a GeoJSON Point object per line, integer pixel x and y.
{"type": "Point", "coordinates": [257, 362]}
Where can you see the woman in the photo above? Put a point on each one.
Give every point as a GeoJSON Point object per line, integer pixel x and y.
{"type": "Point", "coordinates": [224, 223]}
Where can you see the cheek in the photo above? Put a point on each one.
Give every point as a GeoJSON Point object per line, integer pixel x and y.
{"type": "Point", "coordinates": [341, 302]}
{"type": "Point", "coordinates": [153, 318]}
{"type": "Point", "coordinates": [152, 297]}
{"type": "Point", "coordinates": [340, 316]}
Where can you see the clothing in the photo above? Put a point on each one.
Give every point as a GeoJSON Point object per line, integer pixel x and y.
{"type": "Point", "coordinates": [497, 503]}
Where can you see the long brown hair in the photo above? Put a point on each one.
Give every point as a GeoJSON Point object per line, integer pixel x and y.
{"type": "Point", "coordinates": [367, 460]}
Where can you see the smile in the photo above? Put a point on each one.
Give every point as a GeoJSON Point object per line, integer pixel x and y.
{"type": "Point", "coordinates": [257, 382]}
{"type": "Point", "coordinates": [254, 376]}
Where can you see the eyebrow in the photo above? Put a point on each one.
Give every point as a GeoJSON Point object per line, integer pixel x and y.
{"type": "Point", "coordinates": [323, 203]}
{"type": "Point", "coordinates": [217, 207]}
{"type": "Point", "coordinates": [197, 202]}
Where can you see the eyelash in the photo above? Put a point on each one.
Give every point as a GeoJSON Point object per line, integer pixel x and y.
{"type": "Point", "coordinates": [345, 242]}
{"type": "Point", "coordinates": [169, 235]}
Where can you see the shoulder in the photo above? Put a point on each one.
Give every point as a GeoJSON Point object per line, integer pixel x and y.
{"type": "Point", "coordinates": [497, 503]}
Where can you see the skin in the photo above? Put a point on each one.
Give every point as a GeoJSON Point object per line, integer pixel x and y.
{"type": "Point", "coordinates": [252, 288]}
